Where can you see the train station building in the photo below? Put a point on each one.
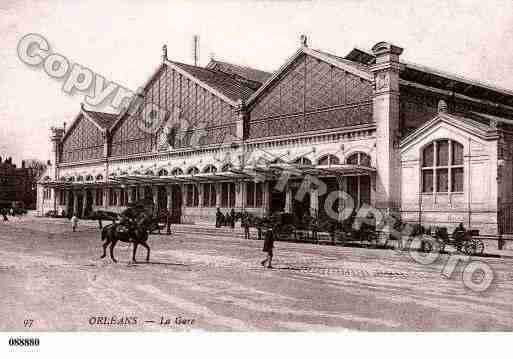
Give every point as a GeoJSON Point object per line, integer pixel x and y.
{"type": "Point", "coordinates": [432, 147]}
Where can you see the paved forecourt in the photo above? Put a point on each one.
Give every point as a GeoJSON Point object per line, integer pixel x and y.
{"type": "Point", "coordinates": [53, 279]}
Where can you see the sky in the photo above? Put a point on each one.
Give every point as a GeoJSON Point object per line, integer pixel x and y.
{"type": "Point", "coordinates": [122, 41]}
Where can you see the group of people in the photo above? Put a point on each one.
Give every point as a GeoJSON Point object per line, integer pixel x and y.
{"type": "Point", "coordinates": [7, 211]}
{"type": "Point", "coordinates": [228, 219]}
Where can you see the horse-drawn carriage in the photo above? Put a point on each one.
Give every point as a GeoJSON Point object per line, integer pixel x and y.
{"type": "Point", "coordinates": [464, 241]}
{"type": "Point", "coordinates": [351, 229]}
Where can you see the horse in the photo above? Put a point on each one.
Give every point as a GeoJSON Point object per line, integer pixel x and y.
{"type": "Point", "coordinates": [135, 234]}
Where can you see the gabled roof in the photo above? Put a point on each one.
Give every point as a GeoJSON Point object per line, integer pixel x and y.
{"type": "Point", "coordinates": [470, 123]}
{"type": "Point", "coordinates": [221, 83]}
{"type": "Point", "coordinates": [346, 65]}
{"type": "Point", "coordinates": [102, 120]}
{"type": "Point", "coordinates": [133, 101]}
{"type": "Point", "coordinates": [249, 73]}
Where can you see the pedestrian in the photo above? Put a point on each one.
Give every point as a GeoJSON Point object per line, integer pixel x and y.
{"type": "Point", "coordinates": [74, 222]}
{"type": "Point", "coordinates": [245, 223]}
{"type": "Point", "coordinates": [232, 218]}
{"type": "Point", "coordinates": [168, 222]}
{"type": "Point", "coordinates": [4, 214]}
{"type": "Point", "coordinates": [268, 247]}
{"type": "Point", "coordinates": [219, 217]}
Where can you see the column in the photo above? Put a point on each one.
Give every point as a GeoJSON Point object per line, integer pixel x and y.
{"type": "Point", "coordinates": [385, 111]}
{"type": "Point", "coordinates": [105, 196]}
{"type": "Point", "coordinates": [169, 195]}
{"type": "Point", "coordinates": [314, 202]}
{"type": "Point", "coordinates": [84, 202]}
{"type": "Point", "coordinates": [75, 203]}
{"type": "Point", "coordinates": [118, 197]}
{"type": "Point", "coordinates": [218, 193]}
{"type": "Point", "coordinates": [155, 192]}
{"type": "Point", "coordinates": [141, 192]}
{"type": "Point", "coordinates": [184, 194]}
{"type": "Point", "coordinates": [288, 200]}
{"type": "Point", "coordinates": [342, 186]}
{"type": "Point", "coordinates": [69, 204]}
{"type": "Point", "coordinates": [199, 187]}
{"type": "Point", "coordinates": [93, 195]}
{"type": "Point", "coordinates": [54, 195]}
{"type": "Point", "coordinates": [131, 194]}
{"type": "Point", "coordinates": [240, 194]}
{"type": "Point", "coordinates": [267, 196]}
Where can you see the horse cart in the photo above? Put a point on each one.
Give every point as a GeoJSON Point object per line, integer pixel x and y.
{"type": "Point", "coordinates": [464, 241]}
{"type": "Point", "coordinates": [350, 230]}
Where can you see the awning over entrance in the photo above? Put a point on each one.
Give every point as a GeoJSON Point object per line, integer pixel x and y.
{"type": "Point", "coordinates": [253, 173]}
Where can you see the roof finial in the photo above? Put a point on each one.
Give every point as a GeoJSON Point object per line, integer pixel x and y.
{"type": "Point", "coordinates": [164, 53]}
{"type": "Point", "coordinates": [442, 106]}
{"type": "Point", "coordinates": [303, 39]}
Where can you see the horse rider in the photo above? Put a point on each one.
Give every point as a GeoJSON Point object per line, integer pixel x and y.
{"type": "Point", "coordinates": [127, 217]}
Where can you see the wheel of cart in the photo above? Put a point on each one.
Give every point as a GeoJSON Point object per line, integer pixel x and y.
{"type": "Point", "coordinates": [430, 244]}
{"type": "Point", "coordinates": [472, 244]}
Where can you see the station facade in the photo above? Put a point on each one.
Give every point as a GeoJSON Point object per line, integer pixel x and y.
{"type": "Point", "coordinates": [431, 147]}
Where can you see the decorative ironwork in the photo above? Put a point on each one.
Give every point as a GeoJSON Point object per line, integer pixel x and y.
{"type": "Point", "coordinates": [305, 94]}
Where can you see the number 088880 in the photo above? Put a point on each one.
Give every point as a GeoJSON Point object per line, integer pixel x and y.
{"type": "Point", "coordinates": [24, 342]}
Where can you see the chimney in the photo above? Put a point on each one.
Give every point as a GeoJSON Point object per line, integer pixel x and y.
{"type": "Point", "coordinates": [164, 53]}
{"type": "Point", "coordinates": [303, 40]}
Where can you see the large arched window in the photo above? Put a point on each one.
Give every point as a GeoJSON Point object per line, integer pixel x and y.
{"type": "Point", "coordinates": [163, 172]}
{"type": "Point", "coordinates": [210, 169]}
{"type": "Point", "coordinates": [177, 172]}
{"type": "Point", "coordinates": [360, 159]}
{"type": "Point", "coordinates": [329, 160]}
{"type": "Point", "coordinates": [442, 167]}
{"type": "Point", "coordinates": [193, 171]}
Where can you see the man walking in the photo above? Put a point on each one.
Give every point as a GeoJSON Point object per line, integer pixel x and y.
{"type": "Point", "coordinates": [245, 223]}
{"type": "Point", "coordinates": [268, 247]}
{"type": "Point", "coordinates": [168, 222]}
{"type": "Point", "coordinates": [232, 218]}
{"type": "Point", "coordinates": [219, 216]}
{"type": "Point", "coordinates": [74, 222]}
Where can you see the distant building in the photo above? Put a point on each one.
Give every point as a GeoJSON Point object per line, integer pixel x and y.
{"type": "Point", "coordinates": [429, 146]}
{"type": "Point", "coordinates": [16, 184]}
